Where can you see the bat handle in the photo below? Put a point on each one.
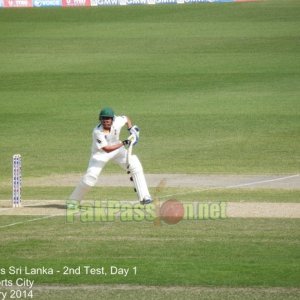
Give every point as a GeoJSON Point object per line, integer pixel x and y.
{"type": "Point", "coordinates": [129, 152]}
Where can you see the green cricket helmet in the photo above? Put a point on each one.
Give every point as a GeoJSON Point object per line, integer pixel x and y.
{"type": "Point", "coordinates": [106, 112]}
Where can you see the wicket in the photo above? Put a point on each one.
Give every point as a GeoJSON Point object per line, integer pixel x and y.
{"type": "Point", "coordinates": [17, 180]}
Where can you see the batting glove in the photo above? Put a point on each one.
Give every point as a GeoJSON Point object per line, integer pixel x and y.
{"type": "Point", "coordinates": [135, 131]}
{"type": "Point", "coordinates": [126, 142]}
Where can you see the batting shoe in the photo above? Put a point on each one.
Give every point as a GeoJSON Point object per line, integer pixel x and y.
{"type": "Point", "coordinates": [73, 205]}
{"type": "Point", "coordinates": [146, 200]}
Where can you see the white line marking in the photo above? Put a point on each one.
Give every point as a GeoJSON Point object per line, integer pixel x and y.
{"type": "Point", "coordinates": [4, 209]}
{"type": "Point", "coordinates": [263, 181]}
{"type": "Point", "coordinates": [232, 186]}
{"type": "Point", "coordinates": [39, 203]}
{"type": "Point", "coordinates": [45, 202]}
{"type": "Point", "coordinates": [31, 220]}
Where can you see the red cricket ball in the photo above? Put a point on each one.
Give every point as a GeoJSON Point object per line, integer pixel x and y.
{"type": "Point", "coordinates": [171, 211]}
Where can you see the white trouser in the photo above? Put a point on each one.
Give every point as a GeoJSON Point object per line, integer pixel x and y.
{"type": "Point", "coordinates": [96, 165]}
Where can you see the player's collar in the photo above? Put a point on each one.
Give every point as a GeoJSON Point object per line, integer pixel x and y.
{"type": "Point", "coordinates": [100, 127]}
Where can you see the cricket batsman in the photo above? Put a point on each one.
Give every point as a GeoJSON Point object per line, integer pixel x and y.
{"type": "Point", "coordinates": [107, 146]}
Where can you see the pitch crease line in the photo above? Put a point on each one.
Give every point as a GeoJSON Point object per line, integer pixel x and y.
{"type": "Point", "coordinates": [29, 205]}
{"type": "Point", "coordinates": [232, 186]}
{"type": "Point", "coordinates": [263, 181]}
{"type": "Point", "coordinates": [31, 220]}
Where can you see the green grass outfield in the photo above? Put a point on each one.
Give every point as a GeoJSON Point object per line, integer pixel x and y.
{"type": "Point", "coordinates": [214, 88]}
{"type": "Point", "coordinates": [260, 252]}
{"type": "Point", "coordinates": [237, 253]}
